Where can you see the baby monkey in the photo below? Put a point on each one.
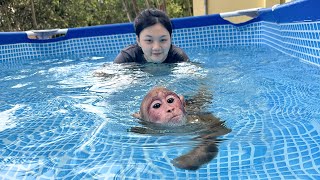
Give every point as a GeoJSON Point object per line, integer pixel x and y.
{"type": "Point", "coordinates": [162, 109]}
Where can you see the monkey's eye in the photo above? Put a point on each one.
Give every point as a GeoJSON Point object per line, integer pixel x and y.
{"type": "Point", "coordinates": [170, 100]}
{"type": "Point", "coordinates": [156, 106]}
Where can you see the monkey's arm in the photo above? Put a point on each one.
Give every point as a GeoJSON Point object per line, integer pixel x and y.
{"type": "Point", "coordinates": [205, 151]}
{"type": "Point", "coordinates": [143, 130]}
{"type": "Point", "coordinates": [200, 155]}
{"type": "Point", "coordinates": [218, 128]}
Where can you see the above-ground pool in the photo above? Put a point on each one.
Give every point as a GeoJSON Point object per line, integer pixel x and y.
{"type": "Point", "coordinates": [60, 119]}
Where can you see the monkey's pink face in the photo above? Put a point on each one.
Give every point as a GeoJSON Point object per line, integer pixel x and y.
{"type": "Point", "coordinates": [165, 107]}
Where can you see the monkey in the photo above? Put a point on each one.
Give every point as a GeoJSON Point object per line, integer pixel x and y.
{"type": "Point", "coordinates": [164, 111]}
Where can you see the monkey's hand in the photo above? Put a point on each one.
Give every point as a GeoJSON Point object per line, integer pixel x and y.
{"type": "Point", "coordinates": [197, 157]}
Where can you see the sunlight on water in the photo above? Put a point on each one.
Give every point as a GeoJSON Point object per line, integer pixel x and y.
{"type": "Point", "coordinates": [7, 118]}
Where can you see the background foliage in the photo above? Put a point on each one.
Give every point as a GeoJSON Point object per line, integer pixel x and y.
{"type": "Point", "coordinates": [22, 15]}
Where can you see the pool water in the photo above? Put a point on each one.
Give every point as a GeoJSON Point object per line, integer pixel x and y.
{"type": "Point", "coordinates": [60, 119]}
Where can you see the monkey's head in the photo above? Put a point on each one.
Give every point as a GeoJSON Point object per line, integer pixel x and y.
{"type": "Point", "coordinates": [162, 106]}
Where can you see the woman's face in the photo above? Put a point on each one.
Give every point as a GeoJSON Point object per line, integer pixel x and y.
{"type": "Point", "coordinates": [155, 42]}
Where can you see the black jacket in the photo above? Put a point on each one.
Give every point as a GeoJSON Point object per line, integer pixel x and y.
{"type": "Point", "coordinates": [134, 53]}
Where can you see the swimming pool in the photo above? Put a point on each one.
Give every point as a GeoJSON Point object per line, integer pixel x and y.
{"type": "Point", "coordinates": [59, 121]}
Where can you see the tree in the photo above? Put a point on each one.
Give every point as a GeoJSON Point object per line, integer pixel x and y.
{"type": "Point", "coordinates": [34, 19]}
{"type": "Point", "coordinates": [135, 7]}
{"type": "Point", "coordinates": [125, 6]}
{"type": "Point", "coordinates": [22, 15]}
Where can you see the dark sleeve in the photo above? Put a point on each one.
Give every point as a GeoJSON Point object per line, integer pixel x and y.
{"type": "Point", "coordinates": [132, 53]}
{"type": "Point", "coordinates": [176, 54]}
{"type": "Point", "coordinates": [182, 56]}
{"type": "Point", "coordinates": [122, 57]}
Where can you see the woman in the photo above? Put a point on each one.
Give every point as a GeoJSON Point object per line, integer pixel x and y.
{"type": "Point", "coordinates": [153, 29]}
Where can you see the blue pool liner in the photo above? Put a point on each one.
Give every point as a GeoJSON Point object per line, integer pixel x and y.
{"type": "Point", "coordinates": [296, 11]}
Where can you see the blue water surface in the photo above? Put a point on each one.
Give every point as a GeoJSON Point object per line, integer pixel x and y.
{"type": "Point", "coordinates": [68, 117]}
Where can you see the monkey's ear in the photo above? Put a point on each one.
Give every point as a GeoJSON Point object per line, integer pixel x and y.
{"type": "Point", "coordinates": [183, 100]}
{"type": "Point", "coordinates": [137, 115]}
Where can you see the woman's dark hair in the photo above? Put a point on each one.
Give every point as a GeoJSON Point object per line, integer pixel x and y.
{"type": "Point", "coordinates": [150, 17]}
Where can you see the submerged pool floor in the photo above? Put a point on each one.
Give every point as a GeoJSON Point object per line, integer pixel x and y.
{"type": "Point", "coordinates": [59, 119]}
